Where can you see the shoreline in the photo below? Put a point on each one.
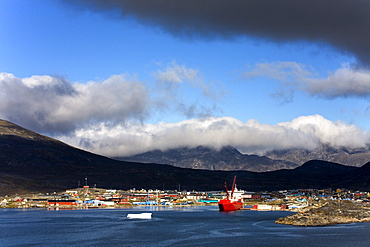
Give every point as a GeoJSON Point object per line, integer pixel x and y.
{"type": "Point", "coordinates": [330, 213]}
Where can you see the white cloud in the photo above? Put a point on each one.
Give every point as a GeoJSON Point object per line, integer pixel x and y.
{"type": "Point", "coordinates": [175, 74]}
{"type": "Point", "coordinates": [282, 71]}
{"type": "Point", "coordinates": [174, 80]}
{"type": "Point", "coordinates": [307, 132]}
{"type": "Point", "coordinates": [344, 82]}
{"type": "Point", "coordinates": [47, 104]}
{"type": "Point", "coordinates": [335, 134]}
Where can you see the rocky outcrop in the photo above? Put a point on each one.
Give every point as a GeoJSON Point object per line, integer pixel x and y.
{"type": "Point", "coordinates": [331, 213]}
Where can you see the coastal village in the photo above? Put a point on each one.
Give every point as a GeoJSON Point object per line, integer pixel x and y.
{"type": "Point", "coordinates": [91, 197]}
{"type": "Point", "coordinates": [312, 207]}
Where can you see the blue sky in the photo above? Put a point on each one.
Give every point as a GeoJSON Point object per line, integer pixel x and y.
{"type": "Point", "coordinates": [113, 82]}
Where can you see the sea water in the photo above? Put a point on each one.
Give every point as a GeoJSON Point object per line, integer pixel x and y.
{"type": "Point", "coordinates": [187, 226]}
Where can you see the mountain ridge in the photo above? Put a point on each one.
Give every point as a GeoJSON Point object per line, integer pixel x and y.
{"type": "Point", "coordinates": [229, 158]}
{"type": "Point", "coordinates": [345, 156]}
{"type": "Point", "coordinates": [201, 157]}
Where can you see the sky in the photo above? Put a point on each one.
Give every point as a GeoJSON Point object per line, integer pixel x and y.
{"type": "Point", "coordinates": [121, 77]}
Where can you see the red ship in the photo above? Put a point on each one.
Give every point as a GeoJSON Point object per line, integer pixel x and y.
{"type": "Point", "coordinates": [233, 201]}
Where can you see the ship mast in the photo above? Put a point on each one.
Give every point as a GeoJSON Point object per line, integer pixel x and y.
{"type": "Point", "coordinates": [233, 187]}
{"type": "Point", "coordinates": [227, 191]}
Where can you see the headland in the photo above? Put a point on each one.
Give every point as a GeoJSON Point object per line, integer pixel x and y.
{"type": "Point", "coordinates": [330, 213]}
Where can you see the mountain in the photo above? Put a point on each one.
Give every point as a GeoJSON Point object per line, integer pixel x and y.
{"type": "Point", "coordinates": [226, 159]}
{"type": "Point", "coordinates": [30, 162]}
{"type": "Point", "coordinates": [229, 158]}
{"type": "Point", "coordinates": [350, 157]}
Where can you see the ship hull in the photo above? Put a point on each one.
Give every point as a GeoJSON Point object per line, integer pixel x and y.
{"type": "Point", "coordinates": [227, 205]}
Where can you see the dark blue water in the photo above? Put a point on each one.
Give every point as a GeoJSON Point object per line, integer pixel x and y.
{"type": "Point", "coordinates": [191, 226]}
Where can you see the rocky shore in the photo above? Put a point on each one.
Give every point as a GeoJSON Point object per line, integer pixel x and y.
{"type": "Point", "coordinates": [329, 213]}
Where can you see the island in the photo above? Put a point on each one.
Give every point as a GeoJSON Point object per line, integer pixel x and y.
{"type": "Point", "coordinates": [329, 213]}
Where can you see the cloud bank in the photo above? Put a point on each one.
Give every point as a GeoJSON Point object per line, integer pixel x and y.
{"type": "Point", "coordinates": [306, 132]}
{"type": "Point", "coordinates": [343, 24]}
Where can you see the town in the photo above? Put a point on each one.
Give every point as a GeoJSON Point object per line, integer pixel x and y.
{"type": "Point", "coordinates": [91, 197]}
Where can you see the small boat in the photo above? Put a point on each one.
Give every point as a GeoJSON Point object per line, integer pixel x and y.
{"type": "Point", "coordinates": [140, 216]}
{"type": "Point", "coordinates": [233, 201]}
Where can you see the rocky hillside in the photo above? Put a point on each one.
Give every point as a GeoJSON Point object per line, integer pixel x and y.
{"type": "Point", "coordinates": [226, 159]}
{"type": "Point", "coordinates": [8, 129]}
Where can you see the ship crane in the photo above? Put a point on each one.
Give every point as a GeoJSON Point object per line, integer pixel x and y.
{"type": "Point", "coordinates": [228, 195]}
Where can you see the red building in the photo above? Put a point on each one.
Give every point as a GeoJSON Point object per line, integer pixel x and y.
{"type": "Point", "coordinates": [62, 203]}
